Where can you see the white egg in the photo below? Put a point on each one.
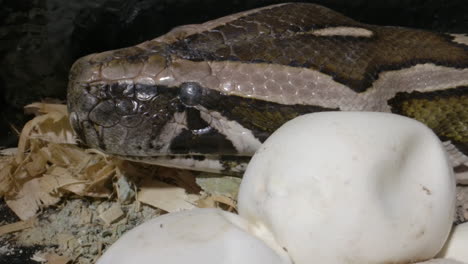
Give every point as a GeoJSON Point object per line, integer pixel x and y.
{"type": "Point", "coordinates": [351, 187]}
{"type": "Point", "coordinates": [207, 236]}
{"type": "Point", "coordinates": [456, 246]}
{"type": "Point", "coordinates": [440, 261]}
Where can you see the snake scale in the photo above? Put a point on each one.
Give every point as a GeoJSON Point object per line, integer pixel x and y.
{"type": "Point", "coordinates": [205, 96]}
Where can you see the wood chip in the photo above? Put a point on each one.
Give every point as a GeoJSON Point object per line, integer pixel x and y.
{"type": "Point", "coordinates": [37, 165]}
{"type": "Point", "coordinates": [207, 202]}
{"type": "Point", "coordinates": [8, 152]}
{"type": "Point", "coordinates": [18, 226]}
{"type": "Point", "coordinates": [112, 214]}
{"type": "Point", "coordinates": [57, 259]}
{"type": "Point", "coordinates": [6, 178]}
{"type": "Point", "coordinates": [30, 199]}
{"type": "Point", "coordinates": [63, 240]}
{"type": "Point", "coordinates": [44, 108]}
{"type": "Point", "coordinates": [60, 178]}
{"type": "Point", "coordinates": [213, 201]}
{"type": "Point", "coordinates": [164, 196]}
{"type": "Point", "coordinates": [219, 185]}
{"type": "Point", "coordinates": [23, 143]}
{"type": "Point", "coordinates": [86, 216]}
{"type": "Point", "coordinates": [52, 126]}
{"type": "Point", "coordinates": [66, 155]}
{"type": "Point", "coordinates": [39, 257]}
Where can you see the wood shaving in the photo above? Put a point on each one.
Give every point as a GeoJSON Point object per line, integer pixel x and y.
{"type": "Point", "coordinates": [50, 258]}
{"type": "Point", "coordinates": [37, 164]}
{"type": "Point", "coordinates": [216, 201]}
{"type": "Point", "coordinates": [48, 165]}
{"type": "Point", "coordinates": [165, 196]}
{"type": "Point", "coordinates": [48, 168]}
{"type": "Point", "coordinates": [8, 152]}
{"type": "Point", "coordinates": [219, 185]}
{"type": "Point", "coordinates": [112, 214]}
{"type": "Point", "coordinates": [6, 176]}
{"type": "Point", "coordinates": [14, 227]}
{"type": "Point", "coordinates": [30, 199]}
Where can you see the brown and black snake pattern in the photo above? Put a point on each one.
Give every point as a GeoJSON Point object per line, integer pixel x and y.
{"type": "Point", "coordinates": [218, 89]}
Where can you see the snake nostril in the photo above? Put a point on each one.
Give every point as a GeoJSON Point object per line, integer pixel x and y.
{"type": "Point", "coordinates": [122, 88]}
{"type": "Point", "coordinates": [145, 92]}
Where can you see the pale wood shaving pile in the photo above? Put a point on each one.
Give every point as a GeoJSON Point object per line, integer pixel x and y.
{"type": "Point", "coordinates": [49, 169]}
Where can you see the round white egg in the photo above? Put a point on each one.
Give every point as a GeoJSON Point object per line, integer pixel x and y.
{"type": "Point", "coordinates": [351, 187]}
{"type": "Point", "coordinates": [207, 236]}
{"type": "Point", "coordinates": [456, 246]}
{"type": "Point", "coordinates": [441, 261]}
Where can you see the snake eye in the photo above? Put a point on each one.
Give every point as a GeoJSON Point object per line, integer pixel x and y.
{"type": "Point", "coordinates": [190, 93]}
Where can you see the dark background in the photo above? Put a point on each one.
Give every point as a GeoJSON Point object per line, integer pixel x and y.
{"type": "Point", "coordinates": [40, 39]}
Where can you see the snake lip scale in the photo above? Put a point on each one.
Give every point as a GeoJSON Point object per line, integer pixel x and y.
{"type": "Point", "coordinates": [204, 97]}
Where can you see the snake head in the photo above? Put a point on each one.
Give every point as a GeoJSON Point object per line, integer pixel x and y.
{"type": "Point", "coordinates": [115, 105]}
{"type": "Point", "coordinates": [128, 103]}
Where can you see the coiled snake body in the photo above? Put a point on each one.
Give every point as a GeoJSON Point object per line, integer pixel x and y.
{"type": "Point", "coordinates": [206, 96]}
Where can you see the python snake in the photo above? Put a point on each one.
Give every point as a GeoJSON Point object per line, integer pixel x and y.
{"type": "Point", "coordinates": [205, 96]}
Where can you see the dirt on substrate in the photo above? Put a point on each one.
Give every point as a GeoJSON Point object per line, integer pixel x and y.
{"type": "Point", "coordinates": [461, 213]}
{"type": "Point", "coordinates": [75, 231]}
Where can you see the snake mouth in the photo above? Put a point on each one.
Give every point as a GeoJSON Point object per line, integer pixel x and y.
{"type": "Point", "coordinates": [132, 117]}
{"type": "Point", "coordinates": [115, 105]}
{"type": "Point", "coordinates": [119, 103]}
{"type": "Point", "coordinates": [124, 118]}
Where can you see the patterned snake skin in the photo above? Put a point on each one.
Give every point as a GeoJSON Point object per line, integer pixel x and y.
{"type": "Point", "coordinates": [206, 96]}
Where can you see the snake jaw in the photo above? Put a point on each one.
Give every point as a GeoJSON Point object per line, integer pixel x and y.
{"type": "Point", "coordinates": [116, 106]}
{"type": "Point", "coordinates": [124, 113]}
